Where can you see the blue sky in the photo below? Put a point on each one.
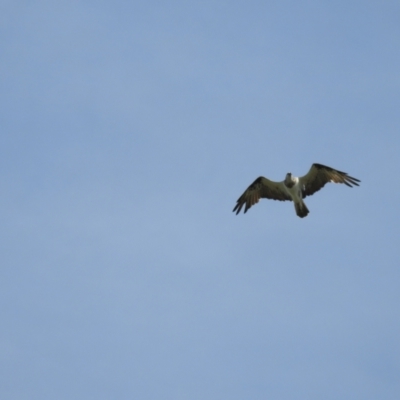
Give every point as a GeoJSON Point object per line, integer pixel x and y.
{"type": "Point", "coordinates": [129, 130]}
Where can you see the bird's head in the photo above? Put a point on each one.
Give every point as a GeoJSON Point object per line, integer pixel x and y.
{"type": "Point", "coordinates": [289, 180]}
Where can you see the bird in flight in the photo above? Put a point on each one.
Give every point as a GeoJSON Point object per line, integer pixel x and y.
{"type": "Point", "coordinates": [293, 188]}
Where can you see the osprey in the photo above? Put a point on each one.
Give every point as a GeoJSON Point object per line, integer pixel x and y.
{"type": "Point", "coordinates": [293, 188]}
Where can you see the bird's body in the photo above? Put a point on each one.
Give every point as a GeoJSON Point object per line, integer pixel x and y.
{"type": "Point", "coordinates": [293, 188]}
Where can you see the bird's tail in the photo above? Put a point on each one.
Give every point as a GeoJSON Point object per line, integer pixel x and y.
{"type": "Point", "coordinates": [301, 209]}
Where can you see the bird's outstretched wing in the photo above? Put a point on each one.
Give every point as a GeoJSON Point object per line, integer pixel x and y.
{"type": "Point", "coordinates": [319, 175]}
{"type": "Point", "coordinates": [261, 188]}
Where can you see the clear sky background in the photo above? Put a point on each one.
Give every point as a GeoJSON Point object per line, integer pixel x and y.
{"type": "Point", "coordinates": [128, 131]}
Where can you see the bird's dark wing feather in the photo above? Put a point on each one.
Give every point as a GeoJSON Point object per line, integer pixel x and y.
{"type": "Point", "coordinates": [319, 175]}
{"type": "Point", "coordinates": [261, 188]}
